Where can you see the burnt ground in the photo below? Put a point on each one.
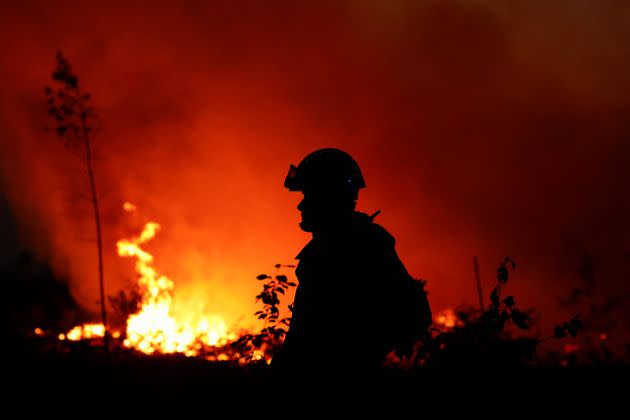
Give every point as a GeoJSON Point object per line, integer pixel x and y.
{"type": "Point", "coordinates": [85, 382]}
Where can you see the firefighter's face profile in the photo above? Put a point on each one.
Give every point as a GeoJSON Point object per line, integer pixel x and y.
{"type": "Point", "coordinates": [311, 209]}
{"type": "Point", "coordinates": [323, 209]}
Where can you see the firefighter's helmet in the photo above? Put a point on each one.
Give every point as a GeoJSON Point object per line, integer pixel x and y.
{"type": "Point", "coordinates": [326, 169]}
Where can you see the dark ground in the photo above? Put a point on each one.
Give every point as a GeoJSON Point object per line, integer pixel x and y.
{"type": "Point", "coordinates": [85, 383]}
{"type": "Point", "coordinates": [44, 377]}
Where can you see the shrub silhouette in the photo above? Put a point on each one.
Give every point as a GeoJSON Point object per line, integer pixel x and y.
{"type": "Point", "coordinates": [270, 337]}
{"type": "Point", "coordinates": [484, 338]}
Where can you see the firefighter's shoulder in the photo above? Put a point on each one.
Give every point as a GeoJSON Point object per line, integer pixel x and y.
{"type": "Point", "coordinates": [371, 233]}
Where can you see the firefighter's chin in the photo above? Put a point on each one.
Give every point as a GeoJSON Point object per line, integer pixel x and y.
{"type": "Point", "coordinates": [306, 226]}
{"type": "Point", "coordinates": [310, 222]}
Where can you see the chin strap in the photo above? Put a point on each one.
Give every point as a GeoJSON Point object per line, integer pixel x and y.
{"type": "Point", "coordinates": [374, 215]}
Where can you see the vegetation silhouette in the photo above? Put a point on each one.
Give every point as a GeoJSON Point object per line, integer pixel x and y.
{"type": "Point", "coordinates": [74, 118]}
{"type": "Point", "coordinates": [603, 314]}
{"type": "Point", "coordinates": [483, 339]}
{"type": "Point", "coordinates": [274, 330]}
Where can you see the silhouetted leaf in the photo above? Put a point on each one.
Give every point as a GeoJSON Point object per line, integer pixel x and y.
{"type": "Point", "coordinates": [502, 274]}
{"type": "Point", "coordinates": [520, 319]}
{"type": "Point", "coordinates": [52, 110]}
{"type": "Point", "coordinates": [281, 278]}
{"type": "Point", "coordinates": [494, 296]}
{"type": "Point", "coordinates": [61, 129]}
{"type": "Point", "coordinates": [290, 283]}
{"type": "Point", "coordinates": [559, 331]}
{"type": "Point", "coordinates": [72, 80]}
{"type": "Point", "coordinates": [574, 325]}
{"type": "Point", "coordinates": [278, 265]}
{"type": "Point", "coordinates": [509, 301]}
{"type": "Point", "coordinates": [576, 322]}
{"type": "Point", "coordinates": [262, 277]}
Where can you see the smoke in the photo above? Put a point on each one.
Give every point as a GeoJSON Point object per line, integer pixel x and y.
{"type": "Point", "coordinates": [483, 128]}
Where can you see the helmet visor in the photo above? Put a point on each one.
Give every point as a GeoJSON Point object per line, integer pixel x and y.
{"type": "Point", "coordinates": [292, 182]}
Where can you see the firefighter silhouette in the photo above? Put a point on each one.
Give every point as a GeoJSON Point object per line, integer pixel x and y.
{"type": "Point", "coordinates": [355, 301]}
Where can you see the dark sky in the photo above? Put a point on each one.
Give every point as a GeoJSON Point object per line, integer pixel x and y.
{"type": "Point", "coordinates": [486, 128]}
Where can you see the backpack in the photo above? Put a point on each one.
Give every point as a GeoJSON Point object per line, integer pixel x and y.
{"type": "Point", "coordinates": [414, 316]}
{"type": "Point", "coordinates": [409, 312]}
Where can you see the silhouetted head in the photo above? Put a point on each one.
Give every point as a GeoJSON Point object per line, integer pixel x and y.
{"type": "Point", "coordinates": [330, 180]}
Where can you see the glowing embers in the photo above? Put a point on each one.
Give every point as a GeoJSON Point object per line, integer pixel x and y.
{"type": "Point", "coordinates": [85, 332]}
{"type": "Point", "coordinates": [448, 319]}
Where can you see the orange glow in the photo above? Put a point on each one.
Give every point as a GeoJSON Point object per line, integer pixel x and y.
{"type": "Point", "coordinates": [448, 319]}
{"type": "Point", "coordinates": [39, 331]}
{"type": "Point", "coordinates": [86, 332]}
{"type": "Point", "coordinates": [571, 348]}
{"type": "Point", "coordinates": [127, 206]}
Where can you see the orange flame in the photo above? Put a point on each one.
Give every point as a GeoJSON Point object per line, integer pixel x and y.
{"type": "Point", "coordinates": [154, 329]}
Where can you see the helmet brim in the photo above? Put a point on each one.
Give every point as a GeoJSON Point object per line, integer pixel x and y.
{"type": "Point", "coordinates": [292, 181]}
